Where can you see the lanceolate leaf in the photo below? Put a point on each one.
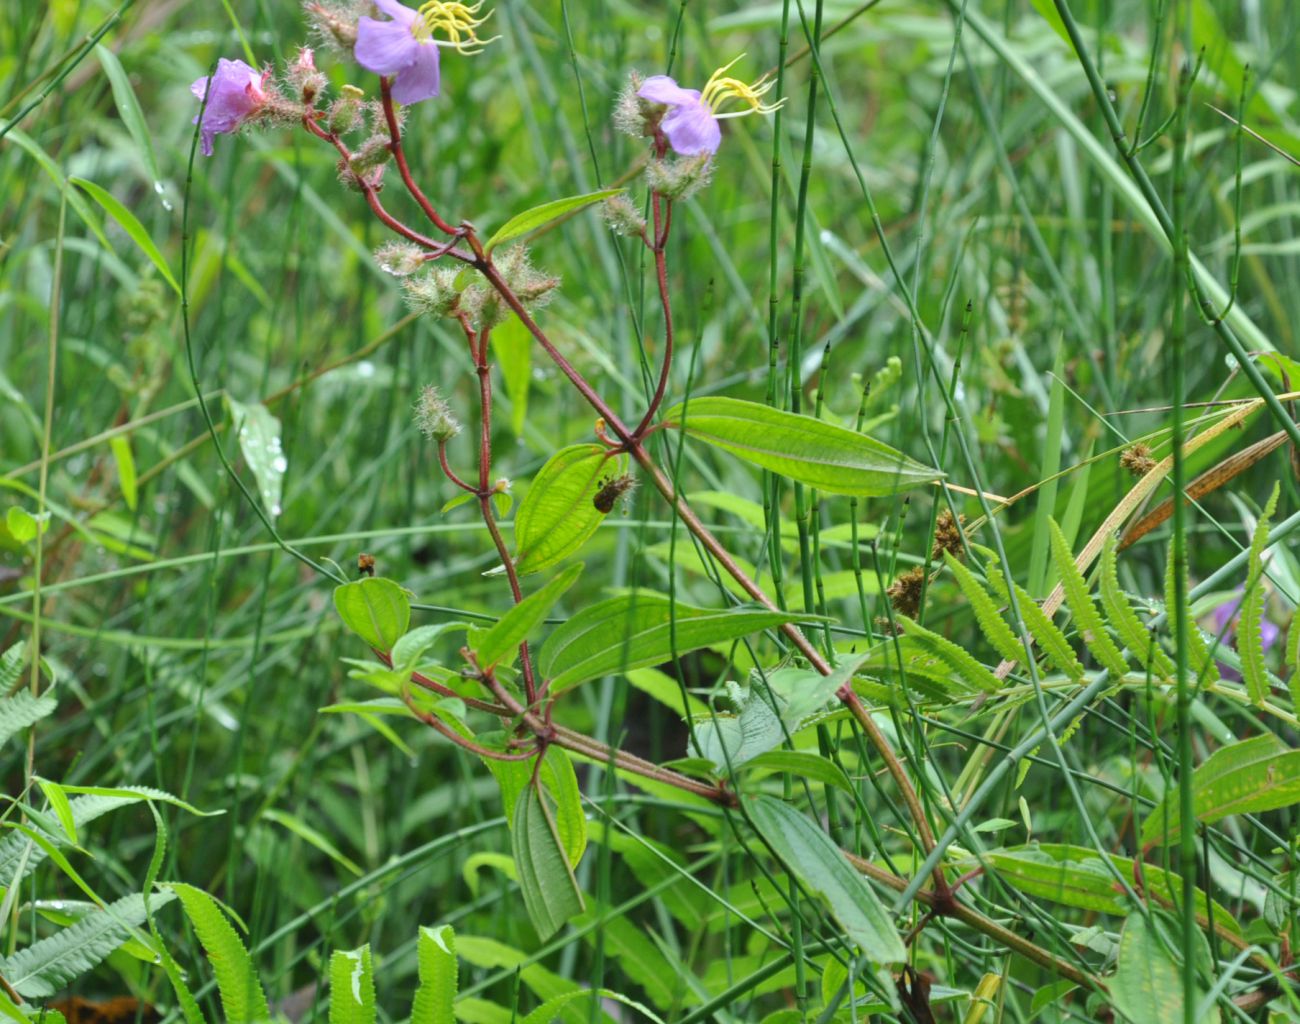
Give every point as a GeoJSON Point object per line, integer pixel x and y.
{"type": "Point", "coordinates": [1250, 644]}
{"type": "Point", "coordinates": [818, 863]}
{"type": "Point", "coordinates": [259, 441]}
{"type": "Point", "coordinates": [1147, 987]}
{"type": "Point", "coordinates": [514, 627]}
{"type": "Point", "coordinates": [551, 893]}
{"type": "Point", "coordinates": [352, 987]}
{"type": "Point", "coordinates": [558, 514]}
{"type": "Point", "coordinates": [47, 966]}
{"type": "Point", "coordinates": [242, 998]}
{"type": "Point", "coordinates": [436, 957]}
{"type": "Point", "coordinates": [1259, 774]}
{"type": "Point", "coordinates": [131, 225]}
{"type": "Point", "coordinates": [376, 609]}
{"type": "Point", "coordinates": [1087, 619]}
{"type": "Point", "coordinates": [557, 775]}
{"type": "Point", "coordinates": [820, 454]}
{"type": "Point", "coordinates": [639, 629]}
{"type": "Point", "coordinates": [539, 216]}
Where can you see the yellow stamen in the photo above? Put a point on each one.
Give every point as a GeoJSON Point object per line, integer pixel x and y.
{"type": "Point", "coordinates": [456, 21]}
{"type": "Point", "coordinates": [720, 88]}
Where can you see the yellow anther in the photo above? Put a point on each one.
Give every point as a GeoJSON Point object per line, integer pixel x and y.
{"type": "Point", "coordinates": [720, 88]}
{"type": "Point", "coordinates": [455, 21]}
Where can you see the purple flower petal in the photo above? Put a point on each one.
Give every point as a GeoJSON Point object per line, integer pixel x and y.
{"type": "Point", "coordinates": [385, 47]}
{"type": "Point", "coordinates": [692, 129]}
{"type": "Point", "coordinates": [233, 95]}
{"type": "Point", "coordinates": [662, 89]}
{"type": "Point", "coordinates": [398, 12]}
{"type": "Point", "coordinates": [421, 79]}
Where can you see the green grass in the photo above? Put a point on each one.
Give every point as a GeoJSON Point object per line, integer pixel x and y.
{"type": "Point", "coordinates": [941, 188]}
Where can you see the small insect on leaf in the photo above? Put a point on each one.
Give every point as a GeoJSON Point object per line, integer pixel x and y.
{"type": "Point", "coordinates": [611, 489]}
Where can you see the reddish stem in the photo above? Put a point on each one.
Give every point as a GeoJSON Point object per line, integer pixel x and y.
{"type": "Point", "coordinates": [662, 222]}
{"type": "Point", "coordinates": [447, 470]}
{"type": "Point", "coordinates": [399, 158]}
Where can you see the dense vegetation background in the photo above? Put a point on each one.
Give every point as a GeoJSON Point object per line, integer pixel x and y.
{"type": "Point", "coordinates": [971, 242]}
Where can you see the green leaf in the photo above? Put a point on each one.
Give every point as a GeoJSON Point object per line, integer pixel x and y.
{"type": "Point", "coordinates": [125, 461]}
{"type": "Point", "coordinates": [802, 764]}
{"type": "Point", "coordinates": [313, 837]}
{"type": "Point", "coordinates": [1147, 986]}
{"type": "Point", "coordinates": [22, 709]}
{"type": "Point", "coordinates": [967, 667]}
{"type": "Point", "coordinates": [1293, 659]}
{"type": "Point", "coordinates": [1204, 668]}
{"type": "Point", "coordinates": [1250, 644]}
{"type": "Point", "coordinates": [820, 865]}
{"type": "Point", "coordinates": [806, 693]}
{"type": "Point", "coordinates": [991, 623]}
{"type": "Point", "coordinates": [128, 109]}
{"type": "Point", "coordinates": [640, 629]}
{"type": "Point", "coordinates": [131, 225]}
{"type": "Point", "coordinates": [513, 347]}
{"type": "Point", "coordinates": [1120, 614]}
{"type": "Point", "coordinates": [730, 740]}
{"type": "Point", "coordinates": [242, 998]}
{"type": "Point", "coordinates": [551, 893]}
{"type": "Point", "coordinates": [352, 987]}
{"type": "Point", "coordinates": [58, 799]}
{"type": "Point", "coordinates": [558, 514]}
{"type": "Point", "coordinates": [24, 526]}
{"type": "Point", "coordinates": [259, 440]}
{"type": "Point", "coordinates": [1041, 627]}
{"type": "Point", "coordinates": [1087, 619]}
{"type": "Point", "coordinates": [820, 454]}
{"type": "Point", "coordinates": [11, 667]}
{"type": "Point", "coordinates": [457, 500]}
{"type": "Point", "coordinates": [513, 628]}
{"type": "Point", "coordinates": [1258, 774]}
{"type": "Point", "coordinates": [375, 609]}
{"type": "Point", "coordinates": [561, 782]}
{"type": "Point", "coordinates": [47, 966]}
{"type": "Point", "coordinates": [530, 220]}
{"type": "Point", "coordinates": [436, 957]}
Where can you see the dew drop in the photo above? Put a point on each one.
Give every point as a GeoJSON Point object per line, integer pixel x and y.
{"type": "Point", "coordinates": [365, 368]}
{"type": "Point", "coordinates": [279, 464]}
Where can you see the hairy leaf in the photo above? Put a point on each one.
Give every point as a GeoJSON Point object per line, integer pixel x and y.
{"type": "Point", "coordinates": [558, 514]}
{"type": "Point", "coordinates": [820, 454]}
{"type": "Point", "coordinates": [551, 893]}
{"type": "Point", "coordinates": [1258, 774]}
{"type": "Point", "coordinates": [639, 629]}
{"type": "Point", "coordinates": [1147, 986]}
{"type": "Point", "coordinates": [818, 863]}
{"type": "Point", "coordinates": [375, 609]}
{"type": "Point", "coordinates": [513, 628]}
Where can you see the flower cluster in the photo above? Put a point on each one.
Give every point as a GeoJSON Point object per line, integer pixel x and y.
{"type": "Point", "coordinates": [404, 46]}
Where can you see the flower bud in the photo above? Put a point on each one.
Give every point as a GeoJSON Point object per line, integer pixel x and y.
{"type": "Point", "coordinates": [622, 217]}
{"type": "Point", "coordinates": [434, 294]}
{"type": "Point", "coordinates": [633, 115]}
{"type": "Point", "coordinates": [434, 416]}
{"type": "Point", "coordinates": [371, 154]}
{"type": "Point", "coordinates": [401, 259]}
{"type": "Point", "coordinates": [345, 113]}
{"type": "Point", "coordinates": [679, 180]}
{"type": "Point", "coordinates": [335, 23]}
{"type": "Point", "coordinates": [303, 77]}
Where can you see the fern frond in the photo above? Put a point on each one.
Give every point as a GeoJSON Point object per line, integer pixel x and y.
{"type": "Point", "coordinates": [1200, 659]}
{"type": "Point", "coordinates": [1120, 614]}
{"type": "Point", "coordinates": [1087, 619]}
{"type": "Point", "coordinates": [1045, 632]}
{"type": "Point", "coordinates": [352, 986]}
{"type": "Point", "coordinates": [965, 665]}
{"type": "Point", "coordinates": [436, 956]}
{"type": "Point", "coordinates": [991, 623]}
{"type": "Point", "coordinates": [242, 997]}
{"type": "Point", "coordinates": [1250, 642]}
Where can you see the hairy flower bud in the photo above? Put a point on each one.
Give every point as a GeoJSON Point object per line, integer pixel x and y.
{"type": "Point", "coordinates": [345, 113]}
{"type": "Point", "coordinates": [633, 115]}
{"type": "Point", "coordinates": [679, 180]}
{"type": "Point", "coordinates": [622, 217]}
{"type": "Point", "coordinates": [533, 287]}
{"type": "Point", "coordinates": [335, 22]}
{"type": "Point", "coordinates": [401, 259]}
{"type": "Point", "coordinates": [434, 416]}
{"type": "Point", "coordinates": [303, 78]}
{"type": "Point", "coordinates": [435, 293]}
{"type": "Point", "coordinates": [371, 154]}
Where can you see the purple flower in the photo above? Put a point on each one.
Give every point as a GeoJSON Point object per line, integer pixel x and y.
{"type": "Point", "coordinates": [691, 124]}
{"type": "Point", "coordinates": [406, 48]}
{"type": "Point", "coordinates": [237, 93]}
{"type": "Point", "coordinates": [1225, 625]}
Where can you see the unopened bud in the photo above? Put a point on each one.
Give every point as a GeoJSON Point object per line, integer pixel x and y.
{"type": "Point", "coordinates": [304, 78]}
{"type": "Point", "coordinates": [435, 293]}
{"type": "Point", "coordinates": [622, 217]}
{"type": "Point", "coordinates": [434, 416]}
{"type": "Point", "coordinates": [633, 115]}
{"type": "Point", "coordinates": [679, 179]}
{"type": "Point", "coordinates": [401, 259]}
{"type": "Point", "coordinates": [345, 114]}
{"type": "Point", "coordinates": [335, 23]}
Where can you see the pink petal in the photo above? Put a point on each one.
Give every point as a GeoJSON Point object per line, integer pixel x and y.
{"type": "Point", "coordinates": [385, 47]}
{"type": "Point", "coordinates": [662, 89]}
{"type": "Point", "coordinates": [421, 80]}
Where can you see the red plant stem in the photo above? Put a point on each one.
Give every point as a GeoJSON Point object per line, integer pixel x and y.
{"type": "Point", "coordinates": [399, 158]}
{"type": "Point", "coordinates": [662, 221]}
{"type": "Point", "coordinates": [449, 474]}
